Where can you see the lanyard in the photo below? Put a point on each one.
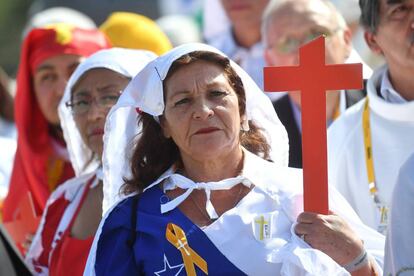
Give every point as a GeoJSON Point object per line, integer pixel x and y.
{"type": "Point", "coordinates": [369, 161]}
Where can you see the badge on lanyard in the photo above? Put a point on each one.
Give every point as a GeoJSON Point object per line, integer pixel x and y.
{"type": "Point", "coordinates": [382, 215]}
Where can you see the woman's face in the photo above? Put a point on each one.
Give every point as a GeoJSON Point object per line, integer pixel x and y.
{"type": "Point", "coordinates": [92, 98]}
{"type": "Point", "coordinates": [49, 81]}
{"type": "Point", "coordinates": [201, 111]}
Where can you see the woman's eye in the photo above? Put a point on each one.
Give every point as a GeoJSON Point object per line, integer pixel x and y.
{"type": "Point", "coordinates": [47, 77]}
{"type": "Point", "coordinates": [182, 101]}
{"type": "Point", "coordinates": [110, 98]}
{"type": "Point", "coordinates": [217, 93]}
{"type": "Point", "coordinates": [80, 102]}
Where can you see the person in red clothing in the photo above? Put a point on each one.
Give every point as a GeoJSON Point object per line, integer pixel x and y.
{"type": "Point", "coordinates": [73, 211]}
{"type": "Point", "coordinates": [49, 56]}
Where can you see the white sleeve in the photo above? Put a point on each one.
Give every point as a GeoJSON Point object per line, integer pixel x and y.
{"type": "Point", "coordinates": [374, 242]}
{"type": "Point", "coordinates": [399, 250]}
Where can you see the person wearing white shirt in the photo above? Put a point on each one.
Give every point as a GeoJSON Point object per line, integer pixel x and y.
{"type": "Point", "coordinates": [370, 142]}
{"type": "Point", "coordinates": [241, 40]}
{"type": "Point", "coordinates": [399, 246]}
{"type": "Point", "coordinates": [290, 24]}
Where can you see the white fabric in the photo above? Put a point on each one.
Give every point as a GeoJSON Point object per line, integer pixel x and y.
{"type": "Point", "coordinates": [145, 92]}
{"type": "Point", "coordinates": [72, 190]}
{"type": "Point", "coordinates": [179, 29]}
{"type": "Point", "coordinates": [392, 129]}
{"type": "Point", "coordinates": [177, 180]}
{"type": "Point", "coordinates": [277, 194]}
{"type": "Point", "coordinates": [251, 60]}
{"type": "Point", "coordinates": [349, 9]}
{"type": "Point", "coordinates": [354, 57]}
{"type": "Point", "coordinates": [7, 152]}
{"type": "Point", "coordinates": [7, 129]}
{"type": "Point", "coordinates": [59, 15]}
{"type": "Point", "coordinates": [126, 62]}
{"type": "Point", "coordinates": [399, 250]}
{"type": "Point", "coordinates": [388, 92]}
{"type": "Point", "coordinates": [215, 19]}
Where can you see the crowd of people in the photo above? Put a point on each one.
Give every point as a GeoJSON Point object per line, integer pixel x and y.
{"type": "Point", "coordinates": [130, 149]}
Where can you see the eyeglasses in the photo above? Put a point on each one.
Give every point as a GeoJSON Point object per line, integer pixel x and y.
{"type": "Point", "coordinates": [84, 104]}
{"type": "Point", "coordinates": [288, 45]}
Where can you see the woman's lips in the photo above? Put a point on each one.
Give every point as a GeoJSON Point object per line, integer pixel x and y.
{"type": "Point", "coordinates": [97, 131]}
{"type": "Point", "coordinates": [206, 130]}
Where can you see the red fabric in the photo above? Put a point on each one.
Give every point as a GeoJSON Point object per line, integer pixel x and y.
{"type": "Point", "coordinates": [33, 146]}
{"type": "Point", "coordinates": [52, 219]}
{"type": "Point", "coordinates": [70, 254]}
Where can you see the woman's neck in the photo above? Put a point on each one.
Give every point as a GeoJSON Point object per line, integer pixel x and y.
{"type": "Point", "coordinates": [215, 169]}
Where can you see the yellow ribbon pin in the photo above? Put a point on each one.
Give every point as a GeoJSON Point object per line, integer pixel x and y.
{"type": "Point", "coordinates": [176, 236]}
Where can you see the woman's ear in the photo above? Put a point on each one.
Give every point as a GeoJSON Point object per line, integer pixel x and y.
{"type": "Point", "coordinates": [164, 127]}
{"type": "Point", "coordinates": [244, 123]}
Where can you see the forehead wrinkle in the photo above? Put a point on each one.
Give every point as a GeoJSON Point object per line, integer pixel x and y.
{"type": "Point", "coordinates": [199, 82]}
{"type": "Point", "coordinates": [393, 2]}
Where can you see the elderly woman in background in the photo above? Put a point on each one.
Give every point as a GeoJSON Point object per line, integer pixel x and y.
{"type": "Point", "coordinates": [202, 197]}
{"type": "Point", "coordinates": [48, 58]}
{"type": "Point", "coordinates": [74, 210]}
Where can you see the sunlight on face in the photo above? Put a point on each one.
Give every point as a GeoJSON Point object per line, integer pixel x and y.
{"type": "Point", "coordinates": [98, 90]}
{"type": "Point", "coordinates": [202, 111]}
{"type": "Point", "coordinates": [49, 81]}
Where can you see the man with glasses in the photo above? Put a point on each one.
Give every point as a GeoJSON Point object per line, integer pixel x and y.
{"type": "Point", "coordinates": [286, 26]}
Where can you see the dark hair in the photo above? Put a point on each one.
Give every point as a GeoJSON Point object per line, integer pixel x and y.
{"type": "Point", "coordinates": [6, 100]}
{"type": "Point", "coordinates": [370, 14]}
{"type": "Point", "coordinates": [154, 153]}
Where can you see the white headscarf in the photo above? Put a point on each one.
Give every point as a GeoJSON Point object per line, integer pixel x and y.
{"type": "Point", "coordinates": [123, 61]}
{"type": "Point", "coordinates": [145, 92]}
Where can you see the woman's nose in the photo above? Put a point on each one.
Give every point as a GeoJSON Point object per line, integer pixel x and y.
{"type": "Point", "coordinates": [202, 110]}
{"type": "Point", "coordinates": [95, 111]}
{"type": "Point", "coordinates": [60, 87]}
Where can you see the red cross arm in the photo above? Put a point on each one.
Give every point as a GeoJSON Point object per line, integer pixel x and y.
{"type": "Point", "coordinates": [313, 78]}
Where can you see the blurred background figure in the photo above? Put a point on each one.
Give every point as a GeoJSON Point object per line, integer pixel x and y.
{"type": "Point", "coordinates": [7, 128]}
{"type": "Point", "coordinates": [59, 15]}
{"type": "Point", "coordinates": [8, 133]}
{"type": "Point", "coordinates": [48, 58]}
{"type": "Point", "coordinates": [289, 24]}
{"type": "Point", "coordinates": [215, 20]}
{"type": "Point", "coordinates": [74, 210]}
{"type": "Point", "coordinates": [351, 13]}
{"type": "Point", "coordinates": [135, 31]}
{"type": "Point", "coordinates": [399, 247]}
{"type": "Point", "coordinates": [241, 39]}
{"type": "Point", "coordinates": [180, 29]}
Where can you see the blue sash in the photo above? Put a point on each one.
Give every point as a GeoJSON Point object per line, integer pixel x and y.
{"type": "Point", "coordinates": [150, 253]}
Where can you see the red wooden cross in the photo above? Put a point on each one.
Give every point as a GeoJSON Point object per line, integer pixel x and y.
{"type": "Point", "coordinates": [313, 77]}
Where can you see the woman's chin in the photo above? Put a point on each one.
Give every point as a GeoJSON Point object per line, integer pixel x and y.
{"type": "Point", "coordinates": [209, 151]}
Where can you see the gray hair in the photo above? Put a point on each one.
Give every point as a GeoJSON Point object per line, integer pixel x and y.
{"type": "Point", "coordinates": [274, 6]}
{"type": "Point", "coordinates": [370, 14]}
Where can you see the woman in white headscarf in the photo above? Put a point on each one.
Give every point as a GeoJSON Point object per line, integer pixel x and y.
{"type": "Point", "coordinates": [74, 210]}
{"type": "Point", "coordinates": [202, 199]}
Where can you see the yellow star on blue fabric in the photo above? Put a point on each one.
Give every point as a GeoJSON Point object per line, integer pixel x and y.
{"type": "Point", "coordinates": [169, 269]}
